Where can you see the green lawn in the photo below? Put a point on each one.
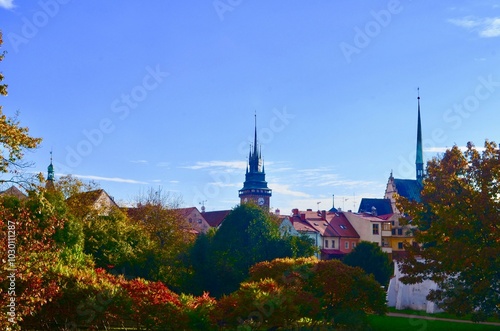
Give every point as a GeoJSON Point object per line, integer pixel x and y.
{"type": "Point", "coordinates": [384, 323]}
{"type": "Point", "coordinates": [437, 315]}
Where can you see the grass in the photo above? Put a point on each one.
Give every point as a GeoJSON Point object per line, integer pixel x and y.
{"type": "Point", "coordinates": [438, 315]}
{"type": "Point", "coordinates": [383, 323]}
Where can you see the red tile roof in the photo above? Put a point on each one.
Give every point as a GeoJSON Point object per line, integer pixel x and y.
{"type": "Point", "coordinates": [340, 223]}
{"type": "Point", "coordinates": [301, 226]}
{"type": "Point", "coordinates": [215, 218]}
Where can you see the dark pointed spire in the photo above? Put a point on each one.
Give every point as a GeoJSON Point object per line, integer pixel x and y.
{"type": "Point", "coordinates": [419, 162]}
{"type": "Point", "coordinates": [255, 137]}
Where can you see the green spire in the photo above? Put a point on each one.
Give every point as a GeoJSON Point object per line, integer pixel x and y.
{"type": "Point", "coordinates": [419, 162]}
{"type": "Point", "coordinates": [50, 169]}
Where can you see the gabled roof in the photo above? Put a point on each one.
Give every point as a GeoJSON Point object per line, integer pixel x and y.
{"type": "Point", "coordinates": [383, 206]}
{"type": "Point", "coordinates": [91, 199]}
{"type": "Point", "coordinates": [408, 188]}
{"type": "Point", "coordinates": [215, 218]}
{"type": "Point", "coordinates": [186, 211]}
{"type": "Point", "coordinates": [341, 225]}
{"type": "Point", "coordinates": [14, 191]}
{"type": "Point", "coordinates": [300, 225]}
{"type": "Point", "coordinates": [321, 225]}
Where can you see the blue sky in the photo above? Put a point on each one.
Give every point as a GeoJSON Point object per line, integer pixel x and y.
{"type": "Point", "coordinates": [163, 93]}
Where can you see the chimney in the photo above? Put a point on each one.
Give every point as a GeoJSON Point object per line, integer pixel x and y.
{"type": "Point", "coordinates": [277, 211]}
{"type": "Point", "coordinates": [295, 212]}
{"type": "Point", "coordinates": [374, 211]}
{"type": "Point", "coordinates": [303, 217]}
{"type": "Point", "coordinates": [323, 214]}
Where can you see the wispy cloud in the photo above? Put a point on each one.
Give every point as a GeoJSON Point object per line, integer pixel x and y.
{"type": "Point", "coordinates": [139, 161]}
{"type": "Point", "coordinates": [240, 165]}
{"type": "Point", "coordinates": [326, 177]}
{"type": "Point", "coordinates": [7, 4]}
{"type": "Point", "coordinates": [487, 27]}
{"type": "Point", "coordinates": [110, 179]}
{"type": "Point", "coordinates": [286, 190]}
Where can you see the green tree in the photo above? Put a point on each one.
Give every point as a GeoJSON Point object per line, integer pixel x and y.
{"type": "Point", "coordinates": [117, 244]}
{"type": "Point", "coordinates": [14, 139]}
{"type": "Point", "coordinates": [370, 257]}
{"type": "Point", "coordinates": [459, 231]}
{"type": "Point", "coordinates": [247, 236]}
{"type": "Point", "coordinates": [170, 233]}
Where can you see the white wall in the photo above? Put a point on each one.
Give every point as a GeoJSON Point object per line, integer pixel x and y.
{"type": "Point", "coordinates": [402, 296]}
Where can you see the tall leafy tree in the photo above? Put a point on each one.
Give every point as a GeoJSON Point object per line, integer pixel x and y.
{"type": "Point", "coordinates": [370, 257]}
{"type": "Point", "coordinates": [459, 230]}
{"type": "Point", "coordinates": [157, 213]}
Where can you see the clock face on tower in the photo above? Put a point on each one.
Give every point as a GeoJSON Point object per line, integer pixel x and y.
{"type": "Point", "coordinates": [260, 201]}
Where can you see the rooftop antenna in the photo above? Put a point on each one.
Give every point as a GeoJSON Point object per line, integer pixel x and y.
{"type": "Point", "coordinates": [317, 203]}
{"type": "Point", "coordinates": [202, 203]}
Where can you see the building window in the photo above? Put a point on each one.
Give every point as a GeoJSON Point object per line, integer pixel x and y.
{"type": "Point", "coordinates": [400, 245]}
{"type": "Point", "coordinates": [400, 232]}
{"type": "Point", "coordinates": [386, 226]}
{"type": "Point", "coordinates": [326, 243]}
{"type": "Point", "coordinates": [333, 243]}
{"type": "Point", "coordinates": [353, 245]}
{"type": "Point", "coordinates": [375, 228]}
{"type": "Point", "coordinates": [346, 245]}
{"type": "Point", "coordinates": [393, 232]}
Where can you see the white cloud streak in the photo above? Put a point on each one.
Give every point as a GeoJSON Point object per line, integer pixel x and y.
{"type": "Point", "coordinates": [487, 27]}
{"type": "Point", "coordinates": [7, 4]}
{"type": "Point", "coordinates": [285, 190]}
{"type": "Point", "coordinates": [240, 165]}
{"type": "Point", "coordinates": [110, 179]}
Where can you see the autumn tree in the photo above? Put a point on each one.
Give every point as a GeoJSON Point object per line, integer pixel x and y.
{"type": "Point", "coordinates": [370, 257]}
{"type": "Point", "coordinates": [459, 230]}
{"type": "Point", "coordinates": [14, 140]}
{"type": "Point", "coordinates": [302, 294]}
{"type": "Point", "coordinates": [157, 212]}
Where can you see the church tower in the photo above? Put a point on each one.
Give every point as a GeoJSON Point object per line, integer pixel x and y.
{"type": "Point", "coordinates": [49, 184]}
{"type": "Point", "coordinates": [255, 186]}
{"type": "Point", "coordinates": [419, 162]}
